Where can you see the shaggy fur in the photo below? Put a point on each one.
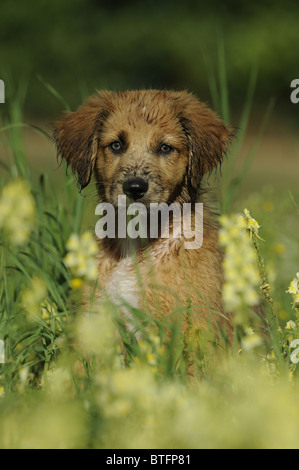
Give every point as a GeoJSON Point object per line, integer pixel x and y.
{"type": "Point", "coordinates": [142, 122]}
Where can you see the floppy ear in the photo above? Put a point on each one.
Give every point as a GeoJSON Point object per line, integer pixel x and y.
{"type": "Point", "coordinates": [207, 137]}
{"type": "Point", "coordinates": [76, 140]}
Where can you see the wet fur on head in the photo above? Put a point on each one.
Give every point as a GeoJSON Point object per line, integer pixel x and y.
{"type": "Point", "coordinates": [199, 135]}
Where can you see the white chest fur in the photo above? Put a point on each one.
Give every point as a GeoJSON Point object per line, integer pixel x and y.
{"type": "Point", "coordinates": [122, 289]}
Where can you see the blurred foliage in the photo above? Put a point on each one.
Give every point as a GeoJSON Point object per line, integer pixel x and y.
{"type": "Point", "coordinates": [78, 46]}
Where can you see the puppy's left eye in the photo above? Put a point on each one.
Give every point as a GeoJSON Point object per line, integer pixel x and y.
{"type": "Point", "coordinates": [115, 146]}
{"type": "Point", "coordinates": [165, 148]}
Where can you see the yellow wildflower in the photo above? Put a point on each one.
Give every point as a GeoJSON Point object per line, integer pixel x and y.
{"type": "Point", "coordinates": [76, 283]}
{"type": "Point", "coordinates": [294, 290]}
{"type": "Point", "coordinates": [290, 325]}
{"type": "Point", "coordinates": [150, 351]}
{"type": "Point", "coordinates": [293, 287]}
{"type": "Point", "coordinates": [33, 297]}
{"type": "Point", "coordinates": [17, 210]}
{"type": "Point", "coordinates": [73, 243]}
{"type": "Point", "coordinates": [251, 224]}
{"type": "Point", "coordinates": [251, 342]}
{"type": "Point", "coordinates": [294, 356]}
{"type": "Point", "coordinates": [241, 275]}
{"type": "Point", "coordinates": [80, 258]}
{"type": "Point", "coordinates": [279, 248]}
{"type": "Point", "coordinates": [249, 331]}
{"type": "Point", "coordinates": [283, 314]}
{"type": "Point", "coordinates": [96, 334]}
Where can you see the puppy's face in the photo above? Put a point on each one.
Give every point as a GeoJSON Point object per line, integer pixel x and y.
{"type": "Point", "coordinates": [152, 146]}
{"type": "Point", "coordinates": [142, 151]}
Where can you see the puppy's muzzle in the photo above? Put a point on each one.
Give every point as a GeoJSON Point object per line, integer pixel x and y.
{"type": "Point", "coordinates": [135, 187]}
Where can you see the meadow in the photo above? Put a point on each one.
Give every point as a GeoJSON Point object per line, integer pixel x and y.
{"type": "Point", "coordinates": [64, 380]}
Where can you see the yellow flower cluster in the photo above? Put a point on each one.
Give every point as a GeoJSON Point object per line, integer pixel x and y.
{"type": "Point", "coordinates": [131, 392]}
{"type": "Point", "coordinates": [294, 291]}
{"type": "Point", "coordinates": [33, 297]}
{"type": "Point", "coordinates": [129, 409]}
{"type": "Point", "coordinates": [291, 326]}
{"type": "Point", "coordinates": [251, 340]}
{"type": "Point", "coordinates": [150, 352]}
{"type": "Point", "coordinates": [251, 224]}
{"type": "Point", "coordinates": [17, 210]}
{"type": "Point", "coordinates": [80, 258]}
{"type": "Point", "coordinates": [241, 274]}
{"type": "Point", "coordinates": [96, 335]}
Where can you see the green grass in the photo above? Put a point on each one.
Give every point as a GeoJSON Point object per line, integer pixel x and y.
{"type": "Point", "coordinates": [65, 382]}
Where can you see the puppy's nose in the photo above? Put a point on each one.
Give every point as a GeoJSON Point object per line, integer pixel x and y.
{"type": "Point", "coordinates": [135, 187]}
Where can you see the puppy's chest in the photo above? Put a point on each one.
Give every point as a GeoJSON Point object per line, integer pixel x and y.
{"type": "Point", "coordinates": [125, 280]}
{"type": "Point", "coordinates": [122, 284]}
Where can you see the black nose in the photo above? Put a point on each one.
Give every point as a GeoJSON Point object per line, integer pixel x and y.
{"type": "Point", "coordinates": [135, 187]}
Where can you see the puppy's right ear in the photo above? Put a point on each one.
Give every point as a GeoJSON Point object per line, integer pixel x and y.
{"type": "Point", "coordinates": [76, 140]}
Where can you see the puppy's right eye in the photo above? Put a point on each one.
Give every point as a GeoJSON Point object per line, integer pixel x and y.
{"type": "Point", "coordinates": [115, 146]}
{"type": "Point", "coordinates": [165, 149]}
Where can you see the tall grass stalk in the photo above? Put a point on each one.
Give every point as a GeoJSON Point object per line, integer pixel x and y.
{"type": "Point", "coordinates": [231, 182]}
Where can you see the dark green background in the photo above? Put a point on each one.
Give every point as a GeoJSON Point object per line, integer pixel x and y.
{"type": "Point", "coordinates": [78, 46]}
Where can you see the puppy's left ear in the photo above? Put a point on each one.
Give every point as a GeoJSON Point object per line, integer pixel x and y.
{"type": "Point", "coordinates": [75, 135]}
{"type": "Point", "coordinates": [207, 137]}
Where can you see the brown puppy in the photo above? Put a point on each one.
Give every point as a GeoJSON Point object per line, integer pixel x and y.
{"type": "Point", "coordinates": [153, 147]}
